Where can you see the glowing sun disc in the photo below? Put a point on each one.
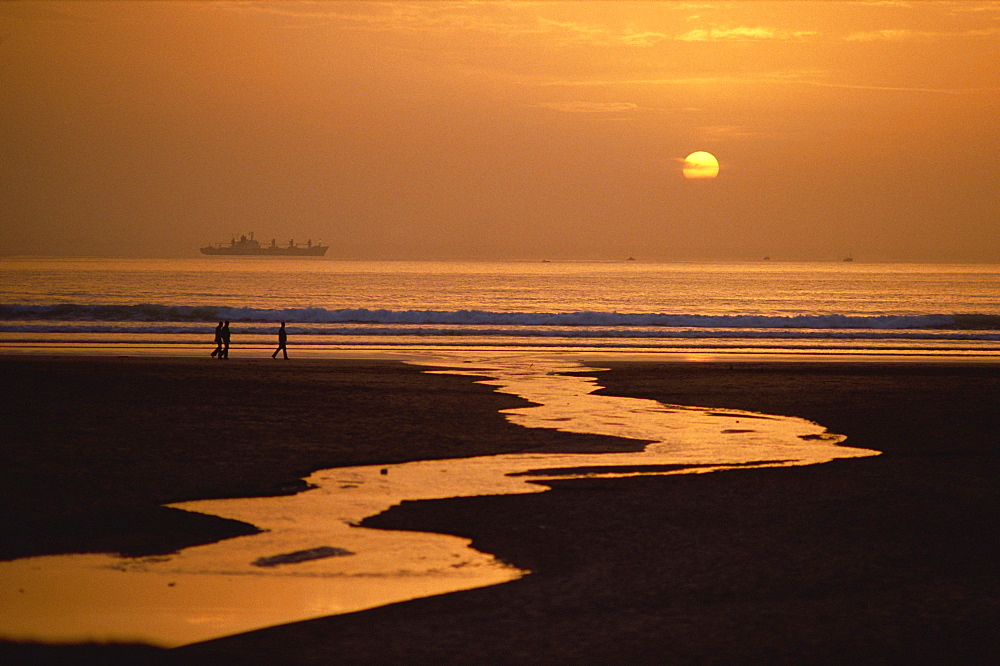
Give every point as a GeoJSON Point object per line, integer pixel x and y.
{"type": "Point", "coordinates": [700, 165]}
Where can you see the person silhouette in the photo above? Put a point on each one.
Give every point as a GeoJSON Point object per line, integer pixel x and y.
{"type": "Point", "coordinates": [218, 341]}
{"type": "Point", "coordinates": [282, 340]}
{"type": "Point", "coordinates": [225, 341]}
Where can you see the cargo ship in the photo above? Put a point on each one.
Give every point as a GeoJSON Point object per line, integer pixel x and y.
{"type": "Point", "coordinates": [249, 247]}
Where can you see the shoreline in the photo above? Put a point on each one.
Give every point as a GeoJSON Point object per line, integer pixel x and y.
{"type": "Point", "coordinates": [411, 353]}
{"type": "Point", "coordinates": [889, 557]}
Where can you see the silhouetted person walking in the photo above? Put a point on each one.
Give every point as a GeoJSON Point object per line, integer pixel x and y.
{"type": "Point", "coordinates": [282, 340]}
{"type": "Point", "coordinates": [225, 341]}
{"type": "Point", "coordinates": [218, 341]}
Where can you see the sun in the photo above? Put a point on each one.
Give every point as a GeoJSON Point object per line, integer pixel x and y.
{"type": "Point", "coordinates": [700, 166]}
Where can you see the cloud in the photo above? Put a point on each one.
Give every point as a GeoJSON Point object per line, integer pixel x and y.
{"type": "Point", "coordinates": [784, 78]}
{"type": "Point", "coordinates": [968, 7]}
{"type": "Point", "coordinates": [507, 20]}
{"type": "Point", "coordinates": [881, 35]}
{"type": "Point", "coordinates": [380, 16]}
{"type": "Point", "coordinates": [643, 38]}
{"type": "Point", "coordinates": [723, 132]}
{"type": "Point", "coordinates": [590, 107]}
{"type": "Point", "coordinates": [741, 33]}
{"type": "Point", "coordinates": [897, 35]}
{"type": "Point", "coordinates": [939, 91]}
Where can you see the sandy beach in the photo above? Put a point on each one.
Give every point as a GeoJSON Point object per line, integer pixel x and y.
{"type": "Point", "coordinates": [883, 559]}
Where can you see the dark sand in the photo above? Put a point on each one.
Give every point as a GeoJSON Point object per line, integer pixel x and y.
{"type": "Point", "coordinates": [875, 560]}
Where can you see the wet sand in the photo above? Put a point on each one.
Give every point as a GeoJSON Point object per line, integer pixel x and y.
{"type": "Point", "coordinates": [94, 445]}
{"type": "Point", "coordinates": [878, 559]}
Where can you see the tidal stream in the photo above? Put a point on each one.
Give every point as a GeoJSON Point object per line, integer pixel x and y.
{"type": "Point", "coordinates": [312, 560]}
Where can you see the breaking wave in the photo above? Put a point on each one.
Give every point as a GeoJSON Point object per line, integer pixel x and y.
{"type": "Point", "coordinates": [209, 314]}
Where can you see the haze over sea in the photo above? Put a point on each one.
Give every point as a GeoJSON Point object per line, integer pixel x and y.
{"type": "Point", "coordinates": [171, 305]}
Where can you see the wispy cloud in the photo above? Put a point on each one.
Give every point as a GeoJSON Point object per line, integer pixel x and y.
{"type": "Point", "coordinates": [590, 107]}
{"type": "Point", "coordinates": [643, 38]}
{"type": "Point", "coordinates": [377, 16]}
{"type": "Point", "coordinates": [987, 6]}
{"type": "Point", "coordinates": [742, 33]}
{"type": "Point", "coordinates": [900, 35]}
{"type": "Point", "coordinates": [788, 78]}
{"type": "Point", "coordinates": [914, 89]}
{"type": "Point", "coordinates": [507, 20]}
{"type": "Point", "coordinates": [717, 133]}
{"type": "Point", "coordinates": [880, 35]}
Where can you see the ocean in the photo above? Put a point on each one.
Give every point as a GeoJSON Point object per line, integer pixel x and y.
{"type": "Point", "coordinates": [172, 305]}
{"type": "Point", "coordinates": [445, 310]}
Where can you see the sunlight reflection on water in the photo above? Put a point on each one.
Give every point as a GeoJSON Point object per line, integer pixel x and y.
{"type": "Point", "coordinates": [220, 589]}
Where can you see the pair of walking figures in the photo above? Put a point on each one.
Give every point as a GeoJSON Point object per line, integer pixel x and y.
{"type": "Point", "coordinates": [222, 341]}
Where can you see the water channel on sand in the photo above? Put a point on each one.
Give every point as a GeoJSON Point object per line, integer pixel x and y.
{"type": "Point", "coordinates": [311, 560]}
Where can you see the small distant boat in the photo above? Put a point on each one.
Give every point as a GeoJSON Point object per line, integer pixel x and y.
{"type": "Point", "coordinates": [630, 259]}
{"type": "Point", "coordinates": [249, 247]}
{"type": "Point", "coordinates": [848, 258]}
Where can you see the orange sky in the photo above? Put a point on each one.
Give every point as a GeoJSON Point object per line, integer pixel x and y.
{"type": "Point", "coordinates": [503, 130]}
